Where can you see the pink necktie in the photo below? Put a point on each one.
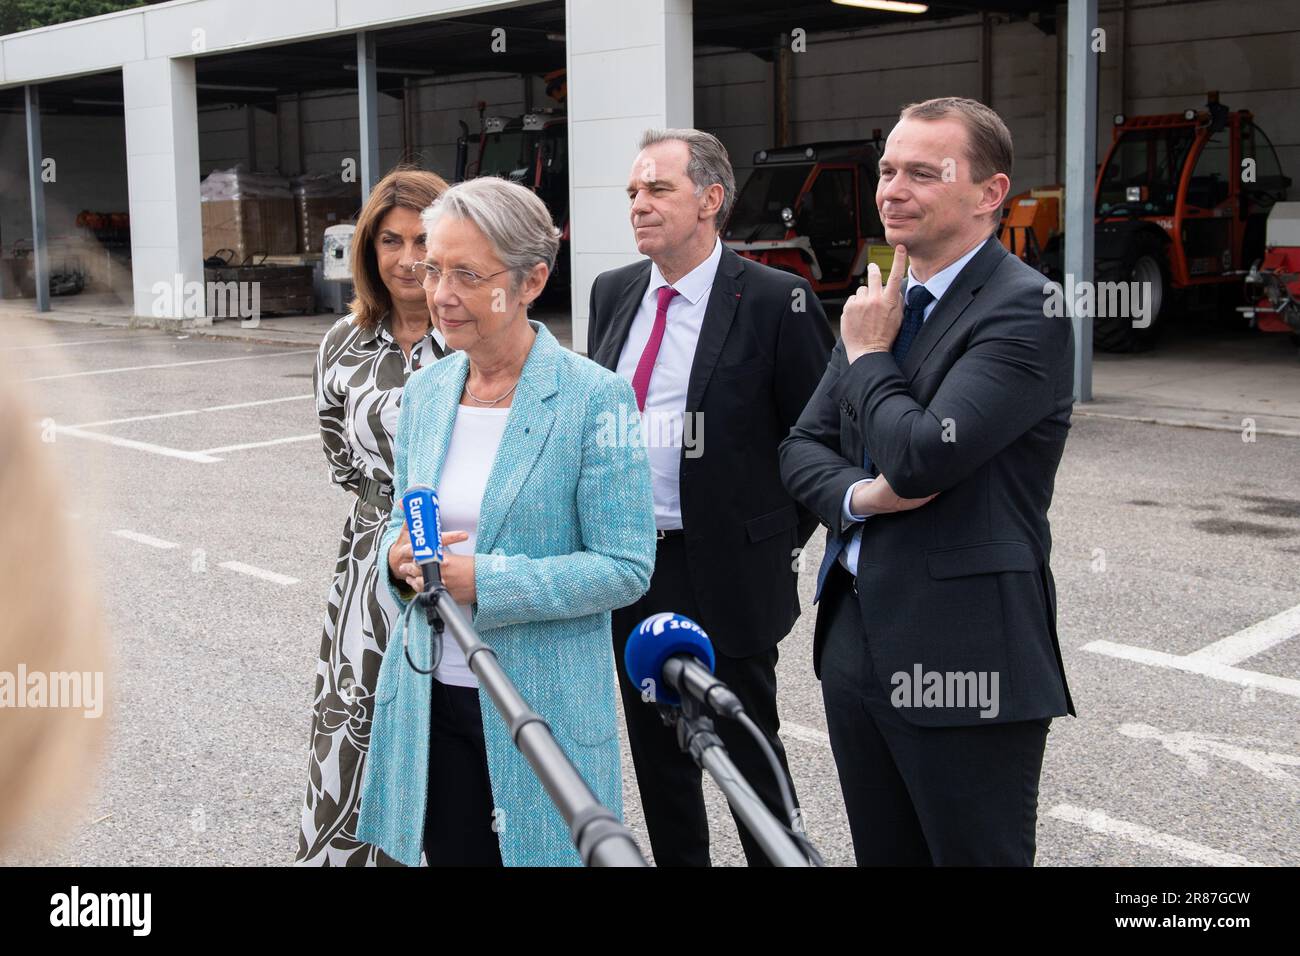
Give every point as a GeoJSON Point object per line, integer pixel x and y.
{"type": "Point", "coordinates": [641, 380]}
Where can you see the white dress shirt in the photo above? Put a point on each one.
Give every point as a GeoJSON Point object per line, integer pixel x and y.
{"type": "Point", "coordinates": [470, 457]}
{"type": "Point", "coordinates": [937, 284]}
{"type": "Point", "coordinates": [663, 419]}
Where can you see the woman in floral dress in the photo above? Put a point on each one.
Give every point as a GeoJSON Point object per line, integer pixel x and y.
{"type": "Point", "coordinates": [361, 369]}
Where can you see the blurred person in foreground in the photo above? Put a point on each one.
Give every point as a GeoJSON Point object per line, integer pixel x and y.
{"type": "Point", "coordinates": [549, 525]}
{"type": "Point", "coordinates": [52, 639]}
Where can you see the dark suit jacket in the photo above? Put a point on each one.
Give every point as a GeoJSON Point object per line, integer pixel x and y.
{"type": "Point", "coordinates": [761, 352]}
{"type": "Point", "coordinates": [978, 412]}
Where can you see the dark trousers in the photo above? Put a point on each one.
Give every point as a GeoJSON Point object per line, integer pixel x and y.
{"type": "Point", "coordinates": [458, 818]}
{"type": "Point", "coordinates": [922, 796]}
{"type": "Point", "coordinates": [672, 795]}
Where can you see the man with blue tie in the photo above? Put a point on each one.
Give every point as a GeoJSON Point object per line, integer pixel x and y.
{"type": "Point", "coordinates": [929, 450]}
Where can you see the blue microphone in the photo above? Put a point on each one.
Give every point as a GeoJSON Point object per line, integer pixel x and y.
{"type": "Point", "coordinates": [674, 654]}
{"type": "Point", "coordinates": [424, 522]}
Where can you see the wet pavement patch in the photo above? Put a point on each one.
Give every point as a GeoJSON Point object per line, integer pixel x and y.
{"type": "Point", "coordinates": [1245, 528]}
{"type": "Point", "coordinates": [1273, 507]}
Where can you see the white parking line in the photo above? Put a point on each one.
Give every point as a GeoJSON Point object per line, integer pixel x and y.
{"type": "Point", "coordinates": [64, 345]}
{"type": "Point", "coordinates": [1180, 423]}
{"type": "Point", "coordinates": [1099, 822]}
{"type": "Point", "coordinates": [141, 368]}
{"type": "Point", "coordinates": [251, 571]}
{"type": "Point", "coordinates": [190, 411]}
{"type": "Point", "coordinates": [197, 456]}
{"type": "Point", "coordinates": [1194, 665]}
{"type": "Point", "coordinates": [139, 538]}
{"type": "Point", "coordinates": [1253, 640]}
{"type": "Point", "coordinates": [260, 444]}
{"type": "Point", "coordinates": [1196, 748]}
{"type": "Point", "coordinates": [238, 566]}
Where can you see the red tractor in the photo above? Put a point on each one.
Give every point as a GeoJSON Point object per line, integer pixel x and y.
{"type": "Point", "coordinates": [1273, 284]}
{"type": "Point", "coordinates": [811, 210]}
{"type": "Point", "coordinates": [1181, 203]}
{"type": "Point", "coordinates": [532, 150]}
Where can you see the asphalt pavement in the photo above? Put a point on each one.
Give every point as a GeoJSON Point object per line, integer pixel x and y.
{"type": "Point", "coordinates": [204, 502]}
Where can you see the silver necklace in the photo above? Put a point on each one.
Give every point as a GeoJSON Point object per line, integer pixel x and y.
{"type": "Point", "coordinates": [494, 401]}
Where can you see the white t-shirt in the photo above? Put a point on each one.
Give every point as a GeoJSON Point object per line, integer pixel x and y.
{"type": "Point", "coordinates": [473, 449]}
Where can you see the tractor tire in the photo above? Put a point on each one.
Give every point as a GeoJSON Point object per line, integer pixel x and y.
{"type": "Point", "coordinates": [1145, 264]}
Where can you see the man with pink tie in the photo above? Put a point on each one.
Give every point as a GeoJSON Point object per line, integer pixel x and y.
{"type": "Point", "coordinates": [723, 354]}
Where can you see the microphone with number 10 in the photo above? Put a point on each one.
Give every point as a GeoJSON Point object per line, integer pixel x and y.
{"type": "Point", "coordinates": [670, 657]}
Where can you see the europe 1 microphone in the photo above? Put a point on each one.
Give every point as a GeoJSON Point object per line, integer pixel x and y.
{"type": "Point", "coordinates": [599, 836]}
{"type": "Point", "coordinates": [424, 522]}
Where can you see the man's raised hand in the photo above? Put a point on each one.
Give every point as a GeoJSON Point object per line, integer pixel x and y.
{"type": "Point", "coordinates": [873, 314]}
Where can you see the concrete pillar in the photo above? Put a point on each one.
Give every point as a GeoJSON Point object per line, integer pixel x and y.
{"type": "Point", "coordinates": [630, 67]}
{"type": "Point", "coordinates": [162, 168]}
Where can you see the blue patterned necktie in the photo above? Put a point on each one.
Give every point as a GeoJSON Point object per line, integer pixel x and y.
{"type": "Point", "coordinates": [918, 298]}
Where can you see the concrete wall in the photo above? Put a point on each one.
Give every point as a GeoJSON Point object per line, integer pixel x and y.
{"type": "Point", "coordinates": [1248, 50]}
{"type": "Point", "coordinates": [90, 172]}
{"type": "Point", "coordinates": [184, 28]}
{"type": "Point", "coordinates": [845, 85]}
{"type": "Point", "coordinates": [330, 126]}
{"type": "Point", "coordinates": [1161, 57]}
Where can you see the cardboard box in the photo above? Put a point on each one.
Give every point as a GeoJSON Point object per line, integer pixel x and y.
{"type": "Point", "coordinates": [317, 213]}
{"type": "Point", "coordinates": [252, 227]}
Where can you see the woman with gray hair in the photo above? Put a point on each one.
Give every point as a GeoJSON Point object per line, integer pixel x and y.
{"type": "Point", "coordinates": [546, 498]}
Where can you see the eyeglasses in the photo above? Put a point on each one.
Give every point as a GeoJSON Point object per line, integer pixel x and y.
{"type": "Point", "coordinates": [461, 280]}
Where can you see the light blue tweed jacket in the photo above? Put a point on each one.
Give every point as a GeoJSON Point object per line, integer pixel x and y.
{"type": "Point", "coordinates": [565, 535]}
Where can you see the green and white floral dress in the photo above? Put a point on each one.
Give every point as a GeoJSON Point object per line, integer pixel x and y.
{"type": "Point", "coordinates": [359, 377]}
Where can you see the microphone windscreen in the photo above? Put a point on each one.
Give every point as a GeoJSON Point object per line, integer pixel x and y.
{"type": "Point", "coordinates": [656, 639]}
{"type": "Point", "coordinates": [420, 505]}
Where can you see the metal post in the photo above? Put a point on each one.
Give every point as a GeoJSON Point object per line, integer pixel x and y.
{"type": "Point", "coordinates": [368, 106]}
{"type": "Point", "coordinates": [40, 253]}
{"type": "Point", "coordinates": [1080, 177]}
{"type": "Point", "coordinates": [781, 65]}
{"type": "Point", "coordinates": [408, 119]}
